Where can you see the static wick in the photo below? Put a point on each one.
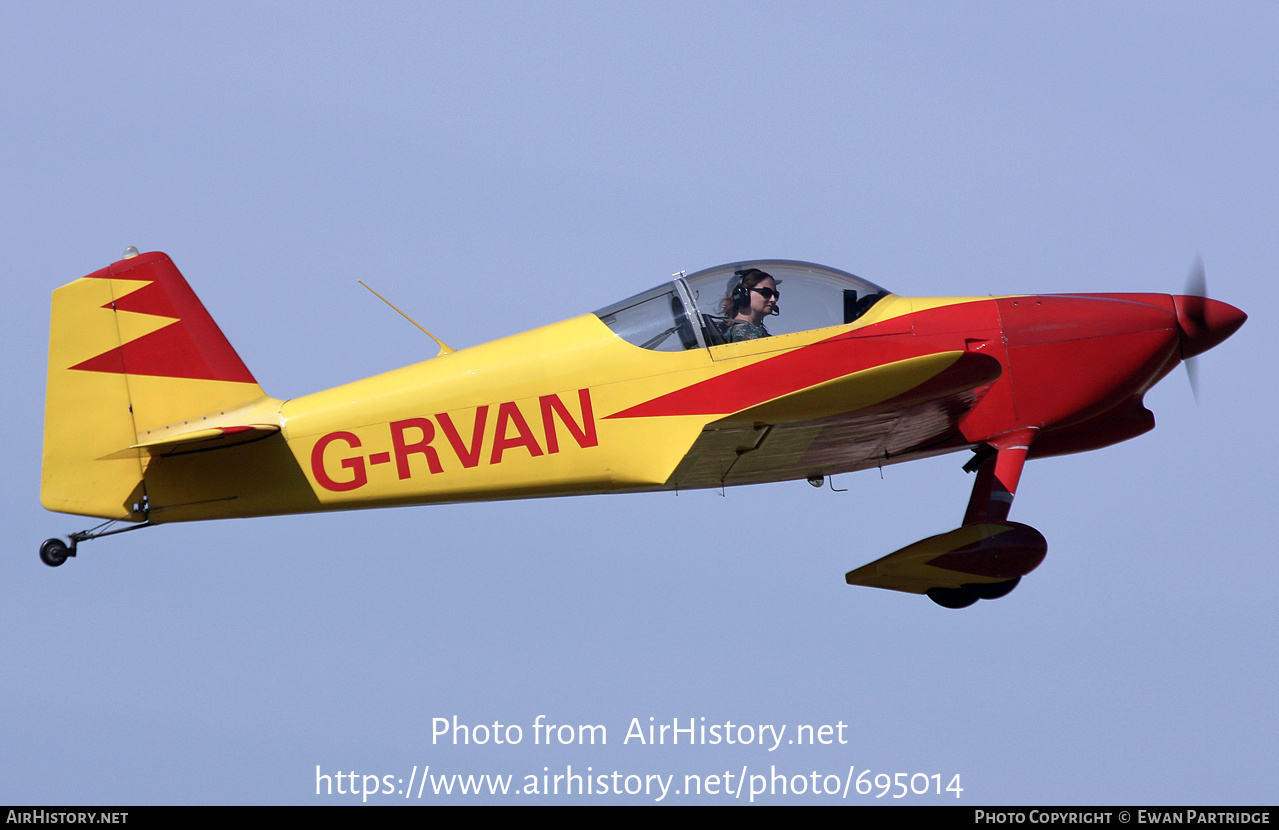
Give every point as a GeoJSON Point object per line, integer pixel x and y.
{"type": "Point", "coordinates": [444, 347]}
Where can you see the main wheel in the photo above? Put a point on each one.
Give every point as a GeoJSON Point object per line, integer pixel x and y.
{"type": "Point", "coordinates": [961, 597]}
{"type": "Point", "coordinates": [994, 590]}
{"type": "Point", "coordinates": [53, 552]}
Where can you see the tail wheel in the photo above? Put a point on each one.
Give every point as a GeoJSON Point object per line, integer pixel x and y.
{"type": "Point", "coordinates": [53, 552]}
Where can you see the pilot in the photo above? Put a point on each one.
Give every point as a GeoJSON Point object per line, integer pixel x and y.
{"type": "Point", "coordinates": [750, 299]}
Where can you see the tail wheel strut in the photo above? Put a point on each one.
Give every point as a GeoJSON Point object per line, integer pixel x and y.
{"type": "Point", "coordinates": [55, 551]}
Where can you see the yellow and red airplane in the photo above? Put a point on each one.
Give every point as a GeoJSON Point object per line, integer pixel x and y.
{"type": "Point", "coordinates": [657, 392]}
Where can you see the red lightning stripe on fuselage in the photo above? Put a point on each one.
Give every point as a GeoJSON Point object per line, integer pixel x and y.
{"type": "Point", "coordinates": [791, 371]}
{"type": "Point", "coordinates": [192, 346]}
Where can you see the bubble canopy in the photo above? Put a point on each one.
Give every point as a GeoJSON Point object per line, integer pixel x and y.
{"type": "Point", "coordinates": [690, 312]}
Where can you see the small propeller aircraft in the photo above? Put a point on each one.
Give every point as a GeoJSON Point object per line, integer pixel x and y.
{"type": "Point", "coordinates": [151, 417]}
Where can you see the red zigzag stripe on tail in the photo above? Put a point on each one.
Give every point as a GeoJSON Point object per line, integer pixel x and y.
{"type": "Point", "coordinates": [192, 346]}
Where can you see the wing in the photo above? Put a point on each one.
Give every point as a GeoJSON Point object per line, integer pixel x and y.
{"type": "Point", "coordinates": [884, 414]}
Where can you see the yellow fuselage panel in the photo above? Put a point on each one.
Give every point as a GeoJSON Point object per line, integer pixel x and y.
{"type": "Point", "coordinates": [525, 415]}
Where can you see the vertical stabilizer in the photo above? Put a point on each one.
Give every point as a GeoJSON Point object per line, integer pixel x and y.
{"type": "Point", "coordinates": [131, 350]}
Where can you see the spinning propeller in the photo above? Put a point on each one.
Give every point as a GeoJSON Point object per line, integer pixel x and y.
{"type": "Point", "coordinates": [1204, 322]}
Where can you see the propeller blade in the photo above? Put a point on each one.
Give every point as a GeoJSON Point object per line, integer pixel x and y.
{"type": "Point", "coordinates": [1192, 373]}
{"type": "Point", "coordinates": [1196, 288]}
{"type": "Point", "coordinates": [1196, 282]}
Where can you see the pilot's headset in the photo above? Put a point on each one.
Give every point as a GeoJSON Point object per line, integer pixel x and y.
{"type": "Point", "coordinates": [741, 294]}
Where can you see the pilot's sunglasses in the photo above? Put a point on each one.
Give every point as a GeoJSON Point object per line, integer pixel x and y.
{"type": "Point", "coordinates": [767, 293]}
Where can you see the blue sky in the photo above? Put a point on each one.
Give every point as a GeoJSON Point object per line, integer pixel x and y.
{"type": "Point", "coordinates": [491, 167]}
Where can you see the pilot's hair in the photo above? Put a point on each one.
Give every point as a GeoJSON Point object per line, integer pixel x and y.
{"type": "Point", "coordinates": [739, 295]}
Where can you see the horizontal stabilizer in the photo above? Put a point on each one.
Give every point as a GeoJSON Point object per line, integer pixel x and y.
{"type": "Point", "coordinates": [227, 435]}
{"type": "Point", "coordinates": [218, 430]}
